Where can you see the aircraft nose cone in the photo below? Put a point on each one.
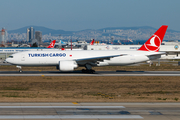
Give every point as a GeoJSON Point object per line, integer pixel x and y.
{"type": "Point", "coordinates": [8, 60]}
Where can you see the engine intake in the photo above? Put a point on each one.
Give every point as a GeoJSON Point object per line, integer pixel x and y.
{"type": "Point", "coordinates": [67, 65]}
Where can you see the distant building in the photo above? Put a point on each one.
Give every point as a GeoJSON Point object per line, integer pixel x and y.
{"type": "Point", "coordinates": [30, 34]}
{"type": "Point", "coordinates": [38, 36]}
{"type": "Point", "coordinates": [27, 36]}
{"type": "Point", "coordinates": [3, 36]}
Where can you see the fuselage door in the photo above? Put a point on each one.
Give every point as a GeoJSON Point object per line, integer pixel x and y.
{"type": "Point", "coordinates": [22, 57]}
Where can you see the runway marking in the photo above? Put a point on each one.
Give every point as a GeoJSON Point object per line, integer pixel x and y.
{"type": "Point", "coordinates": [70, 117]}
{"type": "Point", "coordinates": [62, 107]}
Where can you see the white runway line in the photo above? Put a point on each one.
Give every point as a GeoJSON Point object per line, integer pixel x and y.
{"type": "Point", "coordinates": [62, 107]}
{"type": "Point", "coordinates": [70, 117]}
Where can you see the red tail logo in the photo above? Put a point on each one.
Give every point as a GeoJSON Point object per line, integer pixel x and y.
{"type": "Point", "coordinates": [52, 44]}
{"type": "Point", "coordinates": [92, 42]}
{"type": "Point", "coordinates": [154, 42]}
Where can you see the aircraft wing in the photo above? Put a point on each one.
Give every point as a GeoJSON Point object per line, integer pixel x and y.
{"type": "Point", "coordinates": [96, 59]}
{"type": "Point", "coordinates": [156, 53]}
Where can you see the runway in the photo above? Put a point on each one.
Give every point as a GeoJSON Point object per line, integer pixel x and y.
{"type": "Point", "coordinates": [108, 111]}
{"type": "Point", "coordinates": [97, 73]}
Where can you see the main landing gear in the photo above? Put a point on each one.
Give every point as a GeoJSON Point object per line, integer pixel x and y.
{"type": "Point", "coordinates": [88, 69]}
{"type": "Point", "coordinates": [20, 68]}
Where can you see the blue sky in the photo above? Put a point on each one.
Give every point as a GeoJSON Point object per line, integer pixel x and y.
{"type": "Point", "coordinates": [74, 15]}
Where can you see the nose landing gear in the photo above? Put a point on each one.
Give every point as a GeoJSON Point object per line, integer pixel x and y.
{"type": "Point", "coordinates": [20, 68]}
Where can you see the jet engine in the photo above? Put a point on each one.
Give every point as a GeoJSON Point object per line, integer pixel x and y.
{"type": "Point", "coordinates": [67, 65]}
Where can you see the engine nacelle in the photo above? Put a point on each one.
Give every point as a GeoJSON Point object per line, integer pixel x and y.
{"type": "Point", "coordinates": [67, 65]}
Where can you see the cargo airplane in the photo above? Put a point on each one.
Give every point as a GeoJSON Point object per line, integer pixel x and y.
{"type": "Point", "coordinates": [70, 60]}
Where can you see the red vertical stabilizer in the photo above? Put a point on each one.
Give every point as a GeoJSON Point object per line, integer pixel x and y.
{"type": "Point", "coordinates": [154, 42]}
{"type": "Point", "coordinates": [52, 44]}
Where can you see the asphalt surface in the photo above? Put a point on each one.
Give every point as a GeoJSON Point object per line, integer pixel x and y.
{"type": "Point", "coordinates": [108, 111]}
{"type": "Point", "coordinates": [97, 73]}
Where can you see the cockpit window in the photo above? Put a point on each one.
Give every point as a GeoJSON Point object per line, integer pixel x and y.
{"type": "Point", "coordinates": [10, 56]}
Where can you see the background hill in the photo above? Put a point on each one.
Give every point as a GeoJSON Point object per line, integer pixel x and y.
{"type": "Point", "coordinates": [108, 33]}
{"type": "Point", "coordinates": [44, 30]}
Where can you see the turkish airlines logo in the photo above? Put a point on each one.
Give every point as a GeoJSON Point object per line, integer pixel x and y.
{"type": "Point", "coordinates": [52, 45]}
{"type": "Point", "coordinates": [153, 44]}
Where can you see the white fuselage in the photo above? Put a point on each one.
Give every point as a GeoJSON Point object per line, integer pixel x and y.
{"type": "Point", "coordinates": [52, 58]}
